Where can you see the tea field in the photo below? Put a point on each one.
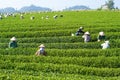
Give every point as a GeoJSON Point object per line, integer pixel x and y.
{"type": "Point", "coordinates": [68, 57]}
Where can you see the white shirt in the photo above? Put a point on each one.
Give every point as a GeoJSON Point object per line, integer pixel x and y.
{"type": "Point", "coordinates": [105, 45]}
{"type": "Point", "coordinates": [41, 49]}
{"type": "Point", "coordinates": [86, 38]}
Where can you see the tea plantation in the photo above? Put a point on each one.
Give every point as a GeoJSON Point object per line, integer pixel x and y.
{"type": "Point", "coordinates": [68, 57]}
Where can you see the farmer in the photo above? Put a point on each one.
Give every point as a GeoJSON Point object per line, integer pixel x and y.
{"type": "Point", "coordinates": [86, 37]}
{"type": "Point", "coordinates": [32, 17]}
{"type": "Point", "coordinates": [41, 50]}
{"type": "Point", "coordinates": [55, 16]}
{"type": "Point", "coordinates": [13, 43]}
{"type": "Point", "coordinates": [47, 17]}
{"type": "Point", "coordinates": [61, 15]}
{"type": "Point", "coordinates": [105, 45]}
{"type": "Point", "coordinates": [80, 31]}
{"type": "Point", "coordinates": [101, 36]}
{"type": "Point", "coordinates": [0, 17]}
{"type": "Point", "coordinates": [21, 16]}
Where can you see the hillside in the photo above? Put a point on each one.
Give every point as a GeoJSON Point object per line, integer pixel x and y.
{"type": "Point", "coordinates": [8, 10]}
{"type": "Point", "coordinates": [31, 8]}
{"type": "Point", "coordinates": [68, 57]}
{"type": "Point", "coordinates": [82, 7]}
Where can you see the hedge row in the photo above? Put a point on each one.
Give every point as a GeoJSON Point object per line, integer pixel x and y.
{"type": "Point", "coordinates": [61, 39]}
{"type": "Point", "coordinates": [99, 62]}
{"type": "Point", "coordinates": [64, 68]}
{"type": "Point", "coordinates": [80, 45]}
{"type": "Point", "coordinates": [63, 52]}
{"type": "Point", "coordinates": [61, 45]}
{"type": "Point", "coordinates": [57, 28]}
{"type": "Point", "coordinates": [38, 75]}
{"type": "Point", "coordinates": [109, 35]}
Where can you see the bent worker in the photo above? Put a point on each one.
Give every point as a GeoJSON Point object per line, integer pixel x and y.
{"type": "Point", "coordinates": [80, 31]}
{"type": "Point", "coordinates": [0, 17]}
{"type": "Point", "coordinates": [41, 50]}
{"type": "Point", "coordinates": [101, 36]}
{"type": "Point", "coordinates": [21, 16]}
{"type": "Point", "coordinates": [105, 45]}
{"type": "Point", "coordinates": [13, 43]}
{"type": "Point", "coordinates": [32, 17]}
{"type": "Point", "coordinates": [86, 37]}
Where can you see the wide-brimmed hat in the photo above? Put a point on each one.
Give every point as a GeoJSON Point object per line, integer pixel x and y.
{"type": "Point", "coordinates": [101, 33]}
{"type": "Point", "coordinates": [87, 33]}
{"type": "Point", "coordinates": [106, 41]}
{"type": "Point", "coordinates": [13, 39]}
{"type": "Point", "coordinates": [72, 34]}
{"type": "Point", "coordinates": [42, 45]}
{"type": "Point", "coordinates": [81, 27]}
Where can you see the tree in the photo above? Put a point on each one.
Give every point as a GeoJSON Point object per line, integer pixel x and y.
{"type": "Point", "coordinates": [110, 4]}
{"type": "Point", "coordinates": [117, 8]}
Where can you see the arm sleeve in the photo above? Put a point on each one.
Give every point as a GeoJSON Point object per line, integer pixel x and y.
{"type": "Point", "coordinates": [9, 45]}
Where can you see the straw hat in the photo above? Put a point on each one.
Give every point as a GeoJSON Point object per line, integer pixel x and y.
{"type": "Point", "coordinates": [81, 27]}
{"type": "Point", "coordinates": [101, 33]}
{"type": "Point", "coordinates": [72, 34]}
{"type": "Point", "coordinates": [42, 45]}
{"type": "Point", "coordinates": [106, 41]}
{"type": "Point", "coordinates": [87, 33]}
{"type": "Point", "coordinates": [13, 39]}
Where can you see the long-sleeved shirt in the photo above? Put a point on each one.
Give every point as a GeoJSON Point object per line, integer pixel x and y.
{"type": "Point", "coordinates": [105, 45]}
{"type": "Point", "coordinates": [13, 44]}
{"type": "Point", "coordinates": [86, 38]}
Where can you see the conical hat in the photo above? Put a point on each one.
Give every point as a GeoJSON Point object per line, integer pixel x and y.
{"type": "Point", "coordinates": [13, 39]}
{"type": "Point", "coordinates": [101, 33]}
{"type": "Point", "coordinates": [81, 27]}
{"type": "Point", "coordinates": [106, 41]}
{"type": "Point", "coordinates": [87, 33]}
{"type": "Point", "coordinates": [72, 34]}
{"type": "Point", "coordinates": [42, 45]}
